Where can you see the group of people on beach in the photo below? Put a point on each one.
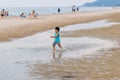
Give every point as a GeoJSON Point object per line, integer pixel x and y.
{"type": "Point", "coordinates": [32, 14]}
{"type": "Point", "coordinates": [75, 8]}
{"type": "Point", "coordinates": [4, 13]}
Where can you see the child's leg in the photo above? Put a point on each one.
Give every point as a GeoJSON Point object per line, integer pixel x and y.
{"type": "Point", "coordinates": [59, 45]}
{"type": "Point", "coordinates": [54, 48]}
{"type": "Point", "coordinates": [54, 45]}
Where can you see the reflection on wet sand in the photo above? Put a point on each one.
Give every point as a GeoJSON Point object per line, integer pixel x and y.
{"type": "Point", "coordinates": [97, 67]}
{"type": "Point", "coordinates": [57, 55]}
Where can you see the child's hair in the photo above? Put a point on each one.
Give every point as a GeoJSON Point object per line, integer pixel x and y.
{"type": "Point", "coordinates": [57, 28]}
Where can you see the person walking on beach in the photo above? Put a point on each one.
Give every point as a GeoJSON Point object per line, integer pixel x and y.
{"type": "Point", "coordinates": [78, 9]}
{"type": "Point", "coordinates": [56, 38]}
{"type": "Point", "coordinates": [73, 8]}
{"type": "Point", "coordinates": [59, 10]}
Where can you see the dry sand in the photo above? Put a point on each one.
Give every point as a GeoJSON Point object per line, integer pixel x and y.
{"type": "Point", "coordinates": [101, 66]}
{"type": "Point", "coordinates": [16, 27]}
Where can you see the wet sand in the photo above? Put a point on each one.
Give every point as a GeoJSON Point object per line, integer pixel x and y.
{"type": "Point", "coordinates": [37, 48]}
{"type": "Point", "coordinates": [103, 65]}
{"type": "Point", "coordinates": [16, 27]}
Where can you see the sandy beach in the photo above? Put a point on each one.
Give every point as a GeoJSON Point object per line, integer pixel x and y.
{"type": "Point", "coordinates": [18, 27]}
{"type": "Point", "coordinates": [104, 65]}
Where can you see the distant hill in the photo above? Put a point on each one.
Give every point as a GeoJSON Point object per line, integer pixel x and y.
{"type": "Point", "coordinates": [104, 3]}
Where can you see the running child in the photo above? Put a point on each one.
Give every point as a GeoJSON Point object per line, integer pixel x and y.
{"type": "Point", "coordinates": [56, 38]}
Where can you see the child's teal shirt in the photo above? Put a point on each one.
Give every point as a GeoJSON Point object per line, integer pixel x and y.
{"type": "Point", "coordinates": [57, 37]}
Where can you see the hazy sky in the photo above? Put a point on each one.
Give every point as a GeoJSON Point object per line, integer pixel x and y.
{"type": "Point", "coordinates": [41, 3]}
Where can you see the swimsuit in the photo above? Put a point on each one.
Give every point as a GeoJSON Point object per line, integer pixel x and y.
{"type": "Point", "coordinates": [57, 39]}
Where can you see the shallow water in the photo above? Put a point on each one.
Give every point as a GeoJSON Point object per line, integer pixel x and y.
{"type": "Point", "coordinates": [90, 25]}
{"type": "Point", "coordinates": [17, 54]}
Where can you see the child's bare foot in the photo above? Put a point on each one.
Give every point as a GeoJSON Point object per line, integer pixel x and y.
{"type": "Point", "coordinates": [63, 50]}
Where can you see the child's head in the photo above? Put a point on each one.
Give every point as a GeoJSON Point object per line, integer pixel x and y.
{"type": "Point", "coordinates": [57, 29]}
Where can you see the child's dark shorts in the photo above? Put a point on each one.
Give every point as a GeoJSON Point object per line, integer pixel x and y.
{"type": "Point", "coordinates": [54, 43]}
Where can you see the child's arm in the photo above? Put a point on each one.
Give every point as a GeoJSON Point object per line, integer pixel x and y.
{"type": "Point", "coordinates": [55, 35]}
{"type": "Point", "coordinates": [52, 36]}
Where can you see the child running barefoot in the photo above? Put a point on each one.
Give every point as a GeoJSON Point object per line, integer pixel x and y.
{"type": "Point", "coordinates": [56, 38]}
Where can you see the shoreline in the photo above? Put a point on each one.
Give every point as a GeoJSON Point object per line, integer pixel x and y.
{"type": "Point", "coordinates": [18, 27]}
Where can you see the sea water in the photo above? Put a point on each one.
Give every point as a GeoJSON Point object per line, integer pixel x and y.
{"type": "Point", "coordinates": [17, 54]}
{"type": "Point", "coordinates": [15, 11]}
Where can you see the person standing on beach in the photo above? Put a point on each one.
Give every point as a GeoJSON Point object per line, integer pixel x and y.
{"type": "Point", "coordinates": [3, 13]}
{"type": "Point", "coordinates": [73, 8]}
{"type": "Point", "coordinates": [7, 13]}
{"type": "Point", "coordinates": [78, 9]}
{"type": "Point", "coordinates": [56, 38]}
{"type": "Point", "coordinates": [59, 10]}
